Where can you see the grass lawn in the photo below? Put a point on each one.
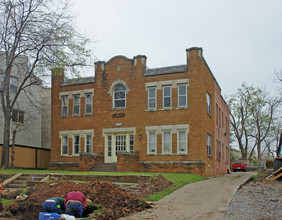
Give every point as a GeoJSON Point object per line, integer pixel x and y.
{"type": "Point", "coordinates": [178, 179]}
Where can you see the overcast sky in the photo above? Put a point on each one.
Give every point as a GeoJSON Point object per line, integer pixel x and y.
{"type": "Point", "coordinates": [241, 39]}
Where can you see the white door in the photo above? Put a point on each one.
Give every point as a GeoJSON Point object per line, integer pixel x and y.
{"type": "Point", "coordinates": [115, 143]}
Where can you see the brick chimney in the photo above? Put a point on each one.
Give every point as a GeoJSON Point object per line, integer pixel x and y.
{"type": "Point", "coordinates": [194, 55]}
{"type": "Point", "coordinates": [57, 76]}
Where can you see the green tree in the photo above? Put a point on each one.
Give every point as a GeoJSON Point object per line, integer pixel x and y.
{"type": "Point", "coordinates": [44, 32]}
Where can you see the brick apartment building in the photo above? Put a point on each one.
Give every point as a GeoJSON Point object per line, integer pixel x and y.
{"type": "Point", "coordinates": [170, 119]}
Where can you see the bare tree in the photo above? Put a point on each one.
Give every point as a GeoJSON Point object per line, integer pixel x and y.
{"type": "Point", "coordinates": [251, 116]}
{"type": "Point", "coordinates": [262, 115]}
{"type": "Point", "coordinates": [239, 106]}
{"type": "Point", "coordinates": [43, 32]}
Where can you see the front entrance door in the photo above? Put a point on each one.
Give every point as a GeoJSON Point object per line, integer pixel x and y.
{"type": "Point", "coordinates": [115, 143]}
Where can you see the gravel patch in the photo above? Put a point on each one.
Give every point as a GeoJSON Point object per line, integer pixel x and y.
{"type": "Point", "coordinates": [256, 200]}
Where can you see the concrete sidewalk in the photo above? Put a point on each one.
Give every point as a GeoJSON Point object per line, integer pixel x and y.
{"type": "Point", "coordinates": [208, 199]}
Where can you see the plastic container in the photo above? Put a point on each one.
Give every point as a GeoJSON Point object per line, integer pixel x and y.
{"type": "Point", "coordinates": [48, 216]}
{"type": "Point", "coordinates": [68, 217]}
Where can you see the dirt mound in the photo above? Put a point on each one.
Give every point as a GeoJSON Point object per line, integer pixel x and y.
{"type": "Point", "coordinates": [108, 201]}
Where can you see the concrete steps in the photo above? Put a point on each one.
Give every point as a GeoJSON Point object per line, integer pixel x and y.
{"type": "Point", "coordinates": [104, 167]}
{"type": "Point", "coordinates": [20, 181]}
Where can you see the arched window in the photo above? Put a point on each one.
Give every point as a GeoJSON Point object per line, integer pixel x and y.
{"type": "Point", "coordinates": [119, 96]}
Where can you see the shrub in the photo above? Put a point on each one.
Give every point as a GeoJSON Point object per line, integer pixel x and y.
{"type": "Point", "coordinates": [269, 164]}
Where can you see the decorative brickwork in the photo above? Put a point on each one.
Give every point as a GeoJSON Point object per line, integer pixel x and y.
{"type": "Point", "coordinates": [140, 128]}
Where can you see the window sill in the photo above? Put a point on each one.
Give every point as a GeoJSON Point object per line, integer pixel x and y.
{"type": "Point", "coordinates": [172, 154]}
{"type": "Point", "coordinates": [166, 109]}
{"type": "Point", "coordinates": [73, 116]}
{"type": "Point", "coordinates": [118, 109]}
{"type": "Point", "coordinates": [73, 155]}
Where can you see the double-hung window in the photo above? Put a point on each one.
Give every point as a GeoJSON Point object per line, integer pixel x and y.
{"type": "Point", "coordinates": [182, 141]}
{"type": "Point", "coordinates": [209, 144]}
{"type": "Point", "coordinates": [76, 144]}
{"type": "Point", "coordinates": [88, 143]}
{"type": "Point", "coordinates": [76, 104]}
{"type": "Point", "coordinates": [13, 83]}
{"type": "Point", "coordinates": [88, 103]}
{"type": "Point", "coordinates": [119, 97]}
{"type": "Point", "coordinates": [65, 104]}
{"type": "Point", "coordinates": [18, 116]}
{"type": "Point", "coordinates": [182, 95]}
{"type": "Point", "coordinates": [208, 103]}
{"type": "Point", "coordinates": [152, 142]}
{"type": "Point", "coordinates": [64, 150]}
{"type": "Point", "coordinates": [166, 96]}
{"type": "Point", "coordinates": [131, 143]}
{"type": "Point", "coordinates": [166, 142]}
{"type": "Point", "coordinates": [152, 97]}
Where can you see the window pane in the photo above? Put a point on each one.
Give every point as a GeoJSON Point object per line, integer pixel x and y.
{"type": "Point", "coordinates": [131, 140]}
{"type": "Point", "coordinates": [166, 96]}
{"type": "Point", "coordinates": [21, 116]}
{"type": "Point", "coordinates": [88, 143]}
{"type": "Point", "coordinates": [167, 91]}
{"type": "Point", "coordinates": [166, 142]}
{"type": "Point", "coordinates": [182, 89]}
{"type": "Point", "coordinates": [120, 103]}
{"type": "Point", "coordinates": [88, 103]}
{"type": "Point", "coordinates": [76, 99]}
{"type": "Point", "coordinates": [167, 102]}
{"type": "Point", "coordinates": [109, 146]}
{"type": "Point", "coordinates": [76, 144]}
{"type": "Point", "coordinates": [76, 104]}
{"type": "Point", "coordinates": [64, 105]}
{"type": "Point", "coordinates": [182, 95]}
{"type": "Point", "coordinates": [152, 142]}
{"type": "Point", "coordinates": [14, 115]}
{"type": "Point", "coordinates": [119, 96]}
{"type": "Point", "coordinates": [152, 97]}
{"type": "Point", "coordinates": [120, 88]}
{"type": "Point", "coordinates": [182, 141]}
{"type": "Point", "coordinates": [182, 101]}
{"type": "Point", "coordinates": [65, 145]}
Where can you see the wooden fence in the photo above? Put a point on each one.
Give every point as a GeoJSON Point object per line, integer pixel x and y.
{"type": "Point", "coordinates": [29, 157]}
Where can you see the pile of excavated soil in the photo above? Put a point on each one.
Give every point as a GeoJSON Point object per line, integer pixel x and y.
{"type": "Point", "coordinates": [108, 201]}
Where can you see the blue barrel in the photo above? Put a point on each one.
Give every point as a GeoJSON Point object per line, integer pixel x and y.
{"type": "Point", "coordinates": [47, 216]}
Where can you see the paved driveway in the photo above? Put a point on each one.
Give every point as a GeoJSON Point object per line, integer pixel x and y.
{"type": "Point", "coordinates": [208, 199]}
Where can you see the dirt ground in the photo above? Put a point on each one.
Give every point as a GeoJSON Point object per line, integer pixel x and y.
{"type": "Point", "coordinates": [108, 200]}
{"type": "Point", "coordinates": [257, 200]}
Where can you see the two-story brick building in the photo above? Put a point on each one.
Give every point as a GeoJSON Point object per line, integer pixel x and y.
{"type": "Point", "coordinates": [170, 119]}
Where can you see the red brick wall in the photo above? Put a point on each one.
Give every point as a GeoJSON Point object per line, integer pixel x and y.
{"type": "Point", "coordinates": [200, 122]}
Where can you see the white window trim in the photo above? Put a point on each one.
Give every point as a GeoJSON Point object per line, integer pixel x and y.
{"type": "Point", "coordinates": [186, 139]}
{"type": "Point", "coordinates": [67, 106]}
{"type": "Point", "coordinates": [208, 98]}
{"type": "Point", "coordinates": [178, 95]}
{"type": "Point", "coordinates": [62, 145]}
{"type": "Point", "coordinates": [156, 144]}
{"type": "Point", "coordinates": [155, 98]}
{"type": "Point", "coordinates": [167, 96]}
{"type": "Point", "coordinates": [88, 103]}
{"type": "Point", "coordinates": [125, 94]}
{"type": "Point", "coordinates": [85, 143]}
{"type": "Point", "coordinates": [73, 143]}
{"type": "Point", "coordinates": [209, 137]}
{"type": "Point", "coordinates": [76, 104]}
{"type": "Point", "coordinates": [167, 153]}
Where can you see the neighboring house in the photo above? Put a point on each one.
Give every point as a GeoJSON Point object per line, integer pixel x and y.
{"type": "Point", "coordinates": [169, 119]}
{"type": "Point", "coordinates": [26, 118]}
{"type": "Point", "coordinates": [46, 118]}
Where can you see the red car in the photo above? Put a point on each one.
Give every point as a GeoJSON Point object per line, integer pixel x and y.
{"type": "Point", "coordinates": [239, 165]}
